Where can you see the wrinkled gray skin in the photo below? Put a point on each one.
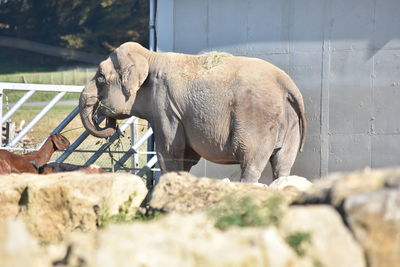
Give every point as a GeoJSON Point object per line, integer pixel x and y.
{"type": "Point", "coordinates": [226, 109]}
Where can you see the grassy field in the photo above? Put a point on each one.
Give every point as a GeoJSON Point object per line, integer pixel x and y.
{"type": "Point", "coordinates": [48, 123]}
{"type": "Point", "coordinates": [12, 96]}
{"type": "Point", "coordinates": [70, 77]}
{"type": "Point", "coordinates": [76, 76]}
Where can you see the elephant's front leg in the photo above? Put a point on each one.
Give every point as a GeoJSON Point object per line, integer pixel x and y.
{"type": "Point", "coordinates": [170, 147]}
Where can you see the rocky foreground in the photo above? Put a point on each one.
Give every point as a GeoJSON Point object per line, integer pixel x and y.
{"type": "Point", "coordinates": [76, 219]}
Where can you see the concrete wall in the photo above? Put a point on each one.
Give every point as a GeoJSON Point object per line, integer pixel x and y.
{"type": "Point", "coordinates": [344, 55]}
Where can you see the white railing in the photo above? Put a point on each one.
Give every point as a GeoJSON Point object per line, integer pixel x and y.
{"type": "Point", "coordinates": [61, 91]}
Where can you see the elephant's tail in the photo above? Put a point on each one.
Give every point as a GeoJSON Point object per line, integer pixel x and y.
{"type": "Point", "coordinates": [296, 101]}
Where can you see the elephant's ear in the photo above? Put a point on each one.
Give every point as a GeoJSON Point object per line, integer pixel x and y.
{"type": "Point", "coordinates": [134, 69]}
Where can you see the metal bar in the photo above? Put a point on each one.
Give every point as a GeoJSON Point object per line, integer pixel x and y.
{"type": "Point", "coordinates": [133, 132]}
{"type": "Point", "coordinates": [133, 149]}
{"type": "Point", "coordinates": [76, 150]}
{"type": "Point", "coordinates": [37, 118]}
{"type": "Point", "coordinates": [66, 121]}
{"type": "Point", "coordinates": [75, 144]}
{"type": "Point", "coordinates": [62, 125]}
{"type": "Point", "coordinates": [42, 87]}
{"type": "Point", "coordinates": [152, 47]}
{"type": "Point", "coordinates": [114, 137]}
{"type": "Point", "coordinates": [152, 25]}
{"type": "Point", "coordinates": [17, 105]}
{"type": "Point", "coordinates": [147, 169]}
{"type": "Point", "coordinates": [1, 115]}
{"type": "Point", "coordinates": [72, 147]}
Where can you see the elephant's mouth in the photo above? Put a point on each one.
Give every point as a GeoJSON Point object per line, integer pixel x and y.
{"type": "Point", "coordinates": [105, 110]}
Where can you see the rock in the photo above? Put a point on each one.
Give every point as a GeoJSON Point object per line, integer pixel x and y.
{"type": "Point", "coordinates": [183, 192]}
{"type": "Point", "coordinates": [327, 241]}
{"type": "Point", "coordinates": [369, 202]}
{"type": "Point", "coordinates": [178, 240]}
{"type": "Point", "coordinates": [336, 187]}
{"type": "Point", "coordinates": [54, 204]}
{"type": "Point", "coordinates": [291, 185]}
{"type": "Point", "coordinates": [374, 218]}
{"type": "Point", "coordinates": [18, 247]}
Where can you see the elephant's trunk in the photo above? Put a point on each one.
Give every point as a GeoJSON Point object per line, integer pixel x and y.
{"type": "Point", "coordinates": [87, 101]}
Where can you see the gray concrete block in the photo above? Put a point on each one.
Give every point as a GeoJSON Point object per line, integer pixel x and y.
{"type": "Point", "coordinates": [165, 26]}
{"type": "Point", "coordinates": [190, 26]}
{"type": "Point", "coordinates": [199, 169]}
{"type": "Point", "coordinates": [350, 89]}
{"type": "Point", "coordinates": [349, 152]}
{"type": "Point", "coordinates": [305, 70]}
{"type": "Point", "coordinates": [306, 31]}
{"type": "Point", "coordinates": [220, 171]}
{"type": "Point", "coordinates": [307, 163]}
{"type": "Point", "coordinates": [352, 24]}
{"type": "Point", "coordinates": [279, 60]}
{"type": "Point", "coordinates": [209, 169]}
{"type": "Point", "coordinates": [386, 92]}
{"type": "Point", "coordinates": [268, 30]}
{"type": "Point", "coordinates": [385, 151]}
{"type": "Point", "coordinates": [227, 25]}
{"type": "Point", "coordinates": [387, 24]}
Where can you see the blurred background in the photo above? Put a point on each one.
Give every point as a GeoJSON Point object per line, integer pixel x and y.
{"type": "Point", "coordinates": [61, 43]}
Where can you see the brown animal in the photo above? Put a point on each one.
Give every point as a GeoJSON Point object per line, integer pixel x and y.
{"type": "Point", "coordinates": [54, 167]}
{"type": "Point", "coordinates": [15, 163]}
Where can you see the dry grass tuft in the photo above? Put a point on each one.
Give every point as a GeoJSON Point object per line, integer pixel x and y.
{"type": "Point", "coordinates": [213, 59]}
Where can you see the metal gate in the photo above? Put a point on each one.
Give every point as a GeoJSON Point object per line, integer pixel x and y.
{"type": "Point", "coordinates": [142, 161]}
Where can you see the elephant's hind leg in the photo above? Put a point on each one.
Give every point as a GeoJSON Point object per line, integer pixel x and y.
{"type": "Point", "coordinates": [191, 158]}
{"type": "Point", "coordinates": [255, 159]}
{"type": "Point", "coordinates": [283, 159]}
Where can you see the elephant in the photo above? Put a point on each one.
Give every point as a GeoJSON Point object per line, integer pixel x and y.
{"type": "Point", "coordinates": [227, 109]}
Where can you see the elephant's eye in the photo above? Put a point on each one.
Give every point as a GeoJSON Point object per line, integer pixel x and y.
{"type": "Point", "coordinates": [101, 78]}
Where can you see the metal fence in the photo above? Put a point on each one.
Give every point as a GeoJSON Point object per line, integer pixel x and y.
{"type": "Point", "coordinates": [126, 150]}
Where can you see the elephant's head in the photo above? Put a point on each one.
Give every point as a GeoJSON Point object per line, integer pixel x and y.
{"type": "Point", "coordinates": [112, 91]}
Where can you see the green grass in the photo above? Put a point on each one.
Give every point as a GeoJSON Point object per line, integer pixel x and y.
{"type": "Point", "coordinates": [12, 96]}
{"type": "Point", "coordinates": [48, 123]}
{"type": "Point", "coordinates": [298, 241]}
{"type": "Point", "coordinates": [125, 215]}
{"type": "Point", "coordinates": [75, 76]}
{"type": "Point", "coordinates": [244, 212]}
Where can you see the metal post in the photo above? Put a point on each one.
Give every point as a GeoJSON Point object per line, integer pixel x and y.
{"type": "Point", "coordinates": [152, 25]}
{"type": "Point", "coordinates": [1, 116]}
{"type": "Point", "coordinates": [10, 131]}
{"type": "Point", "coordinates": [134, 137]}
{"type": "Point", "coordinates": [134, 149]}
{"type": "Point", "coordinates": [152, 47]}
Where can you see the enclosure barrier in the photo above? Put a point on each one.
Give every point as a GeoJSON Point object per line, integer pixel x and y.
{"type": "Point", "coordinates": [132, 153]}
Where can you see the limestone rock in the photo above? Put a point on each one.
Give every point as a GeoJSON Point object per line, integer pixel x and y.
{"type": "Point", "coordinates": [18, 247]}
{"type": "Point", "coordinates": [181, 240]}
{"type": "Point", "coordinates": [330, 242]}
{"type": "Point", "coordinates": [300, 183]}
{"type": "Point", "coordinates": [291, 185]}
{"type": "Point", "coordinates": [183, 192]}
{"type": "Point", "coordinates": [62, 202]}
{"type": "Point", "coordinates": [374, 218]}
{"type": "Point", "coordinates": [336, 187]}
{"type": "Point", "coordinates": [369, 202]}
